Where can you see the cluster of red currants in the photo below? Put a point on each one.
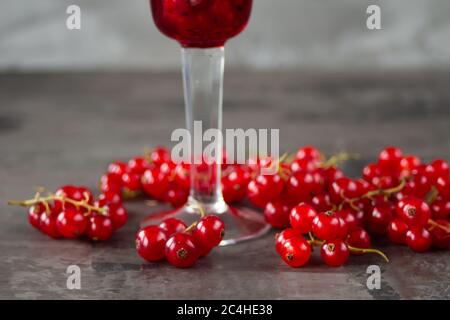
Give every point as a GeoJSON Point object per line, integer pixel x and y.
{"type": "Point", "coordinates": [72, 212]}
{"type": "Point", "coordinates": [397, 196]}
{"type": "Point", "coordinates": [181, 245]}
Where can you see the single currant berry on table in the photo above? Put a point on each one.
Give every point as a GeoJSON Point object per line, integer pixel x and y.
{"type": "Point", "coordinates": [173, 225]}
{"type": "Point", "coordinates": [99, 228]}
{"type": "Point", "coordinates": [34, 214]}
{"type": "Point", "coordinates": [117, 167]}
{"type": "Point", "coordinates": [151, 243]}
{"type": "Point", "coordinates": [326, 226]}
{"type": "Point", "coordinates": [418, 239]}
{"type": "Point", "coordinates": [47, 224]}
{"type": "Point", "coordinates": [276, 214]}
{"type": "Point", "coordinates": [413, 211]}
{"type": "Point", "coordinates": [284, 235]}
{"type": "Point", "coordinates": [71, 223]}
{"type": "Point", "coordinates": [301, 218]}
{"type": "Point", "coordinates": [359, 238]}
{"type": "Point", "coordinates": [181, 251]}
{"type": "Point", "coordinates": [296, 251]}
{"type": "Point", "coordinates": [397, 230]}
{"type": "Point", "coordinates": [335, 253]}
{"type": "Point", "coordinates": [137, 165]}
{"type": "Point", "coordinates": [440, 237]}
{"type": "Point", "coordinates": [208, 232]}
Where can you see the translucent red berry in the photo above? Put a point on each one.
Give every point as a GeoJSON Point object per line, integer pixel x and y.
{"type": "Point", "coordinates": [181, 251]}
{"type": "Point", "coordinates": [151, 243]}
{"type": "Point", "coordinates": [296, 251]}
{"type": "Point", "coordinates": [335, 253]}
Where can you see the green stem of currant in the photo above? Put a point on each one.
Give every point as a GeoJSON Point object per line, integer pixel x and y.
{"type": "Point", "coordinates": [340, 157]}
{"type": "Point", "coordinates": [360, 250]}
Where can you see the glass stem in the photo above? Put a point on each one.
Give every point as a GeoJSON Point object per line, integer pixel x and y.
{"type": "Point", "coordinates": [203, 92]}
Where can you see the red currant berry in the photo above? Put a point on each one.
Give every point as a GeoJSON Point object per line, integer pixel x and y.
{"type": "Point", "coordinates": [182, 177]}
{"type": "Point", "coordinates": [440, 209]}
{"type": "Point", "coordinates": [118, 215]}
{"type": "Point", "coordinates": [176, 196]}
{"type": "Point", "coordinates": [47, 224]}
{"type": "Point", "coordinates": [408, 164]}
{"type": "Point", "coordinates": [371, 172]}
{"type": "Point", "coordinates": [349, 219]}
{"type": "Point", "coordinates": [359, 238]}
{"type": "Point", "coordinates": [302, 165]}
{"type": "Point", "coordinates": [303, 185]}
{"type": "Point", "coordinates": [151, 243]}
{"type": "Point", "coordinates": [441, 168]}
{"type": "Point", "coordinates": [379, 218]}
{"type": "Point", "coordinates": [71, 223]}
{"type": "Point", "coordinates": [34, 214]}
{"type": "Point", "coordinates": [345, 188]}
{"type": "Point", "coordinates": [277, 214]}
{"type": "Point", "coordinates": [301, 218]}
{"type": "Point", "coordinates": [296, 251]}
{"type": "Point", "coordinates": [99, 228]}
{"type": "Point", "coordinates": [155, 183]}
{"type": "Point", "coordinates": [173, 225]}
{"type": "Point", "coordinates": [414, 211]}
{"type": "Point", "coordinates": [131, 182]}
{"type": "Point", "coordinates": [137, 165]}
{"type": "Point", "coordinates": [309, 153]}
{"type": "Point", "coordinates": [181, 251]}
{"type": "Point", "coordinates": [117, 167]}
{"type": "Point", "coordinates": [389, 159]}
{"type": "Point", "coordinates": [284, 235]}
{"type": "Point", "coordinates": [209, 232]}
{"type": "Point", "coordinates": [159, 155]}
{"type": "Point", "coordinates": [397, 230]}
{"type": "Point", "coordinates": [335, 253]}
{"type": "Point", "coordinates": [109, 197]}
{"type": "Point", "coordinates": [326, 226]}
{"type": "Point", "coordinates": [418, 239]}
{"type": "Point", "coordinates": [440, 238]}
{"type": "Point", "coordinates": [321, 202]}
{"type": "Point", "coordinates": [111, 182]}
{"type": "Point", "coordinates": [443, 187]}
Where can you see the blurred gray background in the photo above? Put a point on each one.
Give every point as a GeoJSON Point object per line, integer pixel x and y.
{"type": "Point", "coordinates": [286, 34]}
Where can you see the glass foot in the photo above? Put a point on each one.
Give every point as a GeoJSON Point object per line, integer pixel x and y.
{"type": "Point", "coordinates": [241, 223]}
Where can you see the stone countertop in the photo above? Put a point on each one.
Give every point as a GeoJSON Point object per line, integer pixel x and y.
{"type": "Point", "coordinates": [65, 128]}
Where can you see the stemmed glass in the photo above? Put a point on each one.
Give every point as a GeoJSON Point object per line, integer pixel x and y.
{"type": "Point", "coordinates": [202, 27]}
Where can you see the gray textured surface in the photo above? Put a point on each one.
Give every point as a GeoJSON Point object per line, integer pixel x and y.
{"type": "Point", "coordinates": [57, 129]}
{"type": "Point", "coordinates": [119, 34]}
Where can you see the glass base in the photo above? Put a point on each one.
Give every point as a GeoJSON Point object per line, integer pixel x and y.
{"type": "Point", "coordinates": [241, 223]}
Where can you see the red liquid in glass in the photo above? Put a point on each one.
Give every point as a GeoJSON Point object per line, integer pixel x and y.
{"type": "Point", "coordinates": [201, 23]}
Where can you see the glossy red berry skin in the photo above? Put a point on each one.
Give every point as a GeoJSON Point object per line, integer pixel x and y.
{"type": "Point", "coordinates": [111, 182]}
{"type": "Point", "coordinates": [155, 182]}
{"type": "Point", "coordinates": [117, 167]}
{"type": "Point", "coordinates": [359, 238]}
{"type": "Point", "coordinates": [440, 238]}
{"type": "Point", "coordinates": [389, 159]}
{"type": "Point", "coordinates": [176, 196]}
{"type": "Point", "coordinates": [443, 187]}
{"type": "Point", "coordinates": [414, 211]}
{"type": "Point", "coordinates": [137, 165]}
{"type": "Point", "coordinates": [371, 173]}
{"type": "Point", "coordinates": [181, 251]}
{"type": "Point", "coordinates": [208, 232]}
{"type": "Point", "coordinates": [345, 188]}
{"type": "Point", "coordinates": [72, 192]}
{"type": "Point", "coordinates": [284, 235]}
{"type": "Point", "coordinates": [408, 164]}
{"type": "Point", "coordinates": [303, 185]}
{"type": "Point", "coordinates": [99, 228]}
{"type": "Point", "coordinates": [151, 243]}
{"type": "Point", "coordinates": [159, 155]}
{"type": "Point", "coordinates": [335, 253]}
{"type": "Point", "coordinates": [131, 182]}
{"type": "Point", "coordinates": [397, 230]}
{"type": "Point", "coordinates": [308, 153]}
{"type": "Point", "coordinates": [379, 218]}
{"type": "Point", "coordinates": [277, 214]}
{"type": "Point", "coordinates": [118, 215]}
{"type": "Point", "coordinates": [321, 202]}
{"type": "Point", "coordinates": [34, 214]}
{"type": "Point", "coordinates": [326, 226]}
{"type": "Point", "coordinates": [418, 239]}
{"type": "Point", "coordinates": [173, 225]}
{"type": "Point", "coordinates": [440, 209]}
{"type": "Point", "coordinates": [71, 223]}
{"type": "Point", "coordinates": [438, 168]}
{"type": "Point", "coordinates": [349, 218]}
{"type": "Point", "coordinates": [109, 197]}
{"type": "Point", "coordinates": [301, 218]}
{"type": "Point", "coordinates": [47, 224]}
{"type": "Point", "coordinates": [296, 251]}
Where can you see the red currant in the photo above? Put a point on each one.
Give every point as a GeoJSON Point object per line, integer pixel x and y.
{"type": "Point", "coordinates": [173, 225]}
{"type": "Point", "coordinates": [99, 228]}
{"type": "Point", "coordinates": [301, 218]}
{"type": "Point", "coordinates": [131, 182]}
{"type": "Point", "coordinates": [47, 224]}
{"type": "Point", "coordinates": [117, 167]}
{"type": "Point", "coordinates": [414, 211]}
{"type": "Point", "coordinates": [155, 183]}
{"type": "Point", "coordinates": [109, 197]}
{"type": "Point", "coordinates": [303, 185]}
{"type": "Point", "coordinates": [151, 243]}
{"type": "Point", "coordinates": [440, 209]}
{"type": "Point", "coordinates": [176, 196]}
{"type": "Point", "coordinates": [296, 251]}
{"type": "Point", "coordinates": [309, 153]}
{"type": "Point", "coordinates": [440, 238]}
{"type": "Point", "coordinates": [359, 238]}
{"type": "Point", "coordinates": [71, 223]}
{"type": "Point", "coordinates": [209, 232]}
{"type": "Point", "coordinates": [34, 214]}
{"type": "Point", "coordinates": [111, 182]}
{"type": "Point", "coordinates": [137, 165]}
{"type": "Point", "coordinates": [118, 215]}
{"type": "Point", "coordinates": [418, 239]}
{"type": "Point", "coordinates": [335, 253]}
{"type": "Point", "coordinates": [321, 202]}
{"type": "Point", "coordinates": [397, 230]}
{"type": "Point", "coordinates": [284, 235]}
{"type": "Point", "coordinates": [277, 214]}
{"type": "Point", "coordinates": [349, 219]}
{"type": "Point", "coordinates": [181, 251]}
{"type": "Point", "coordinates": [379, 218]}
{"type": "Point", "coordinates": [159, 155]}
{"type": "Point", "coordinates": [326, 226]}
{"type": "Point", "coordinates": [389, 159]}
